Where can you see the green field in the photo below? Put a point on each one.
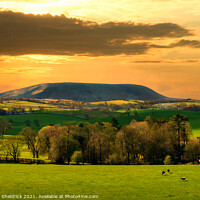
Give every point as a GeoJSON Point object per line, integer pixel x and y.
{"type": "Point", "coordinates": [62, 116]}
{"type": "Point", "coordinates": [108, 182]}
{"type": "Point", "coordinates": [57, 117]}
{"type": "Point", "coordinates": [45, 119]}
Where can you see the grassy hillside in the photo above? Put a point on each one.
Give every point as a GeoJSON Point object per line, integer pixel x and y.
{"type": "Point", "coordinates": [108, 182]}
{"type": "Point", "coordinates": [88, 92]}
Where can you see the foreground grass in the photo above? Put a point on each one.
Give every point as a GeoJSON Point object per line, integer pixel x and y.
{"type": "Point", "coordinates": [109, 182]}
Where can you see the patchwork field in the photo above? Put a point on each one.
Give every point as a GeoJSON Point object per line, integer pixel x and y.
{"type": "Point", "coordinates": [25, 104]}
{"type": "Point", "coordinates": [108, 182]}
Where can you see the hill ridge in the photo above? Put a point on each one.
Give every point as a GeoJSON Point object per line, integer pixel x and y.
{"type": "Point", "coordinates": [85, 92]}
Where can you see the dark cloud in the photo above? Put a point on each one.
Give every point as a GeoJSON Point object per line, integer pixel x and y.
{"type": "Point", "coordinates": [188, 43]}
{"type": "Point", "coordinates": [146, 61]}
{"type": "Point", "coordinates": [163, 61]}
{"type": "Point", "coordinates": [180, 43]}
{"type": "Point", "coordinates": [191, 61]}
{"type": "Point", "coordinates": [58, 35]}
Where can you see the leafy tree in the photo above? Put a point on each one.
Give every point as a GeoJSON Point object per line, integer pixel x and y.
{"type": "Point", "coordinates": [99, 144]}
{"type": "Point", "coordinates": [36, 122]}
{"type": "Point", "coordinates": [99, 139]}
{"type": "Point", "coordinates": [58, 150]}
{"type": "Point", "coordinates": [82, 140]}
{"type": "Point", "coordinates": [159, 140]}
{"type": "Point", "coordinates": [4, 126]}
{"type": "Point", "coordinates": [180, 123]}
{"type": "Point", "coordinates": [128, 112]}
{"type": "Point", "coordinates": [159, 144]}
{"type": "Point", "coordinates": [115, 123]}
{"type": "Point", "coordinates": [45, 135]}
{"type": "Point", "coordinates": [155, 122]}
{"type": "Point", "coordinates": [77, 157]}
{"type": "Point", "coordinates": [71, 143]}
{"type": "Point", "coordinates": [192, 149]}
{"type": "Point", "coordinates": [28, 123]}
{"type": "Point", "coordinates": [86, 116]}
{"type": "Point", "coordinates": [130, 136]}
{"type": "Point", "coordinates": [62, 145]}
{"type": "Point", "coordinates": [135, 112]}
{"type": "Point", "coordinates": [2, 112]}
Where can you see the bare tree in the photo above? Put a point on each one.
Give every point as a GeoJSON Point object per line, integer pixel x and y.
{"type": "Point", "coordinates": [13, 146]}
{"type": "Point", "coordinates": [4, 126]}
{"type": "Point", "coordinates": [62, 145]}
{"type": "Point", "coordinates": [32, 140]}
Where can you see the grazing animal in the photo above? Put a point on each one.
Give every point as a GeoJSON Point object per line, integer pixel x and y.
{"type": "Point", "coordinates": [183, 178]}
{"type": "Point", "coordinates": [163, 172]}
{"type": "Point", "coordinates": [168, 170]}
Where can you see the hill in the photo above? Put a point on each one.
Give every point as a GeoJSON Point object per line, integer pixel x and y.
{"type": "Point", "coordinates": [88, 92]}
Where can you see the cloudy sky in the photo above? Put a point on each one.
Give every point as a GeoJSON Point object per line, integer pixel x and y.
{"type": "Point", "coordinates": [155, 43]}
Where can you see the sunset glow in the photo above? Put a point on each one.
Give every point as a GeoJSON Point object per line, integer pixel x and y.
{"type": "Point", "coordinates": [153, 43]}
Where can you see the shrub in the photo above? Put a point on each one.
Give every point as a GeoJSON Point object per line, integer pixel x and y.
{"type": "Point", "coordinates": [115, 159]}
{"type": "Point", "coordinates": [77, 157]}
{"type": "Point", "coordinates": [168, 160]}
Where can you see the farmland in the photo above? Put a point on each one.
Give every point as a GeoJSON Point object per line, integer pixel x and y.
{"type": "Point", "coordinates": [62, 111]}
{"type": "Point", "coordinates": [108, 182]}
{"type": "Point", "coordinates": [104, 181]}
{"type": "Point", "coordinates": [56, 116]}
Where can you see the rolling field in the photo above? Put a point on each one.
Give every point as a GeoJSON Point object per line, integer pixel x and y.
{"type": "Point", "coordinates": [56, 117]}
{"type": "Point", "coordinates": [44, 119]}
{"type": "Point", "coordinates": [62, 116]}
{"type": "Point", "coordinates": [108, 182]}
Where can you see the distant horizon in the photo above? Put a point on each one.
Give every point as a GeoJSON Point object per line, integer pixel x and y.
{"type": "Point", "coordinates": [94, 83]}
{"type": "Point", "coordinates": [121, 42]}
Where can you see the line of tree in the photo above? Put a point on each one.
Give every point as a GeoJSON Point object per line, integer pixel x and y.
{"type": "Point", "coordinates": [153, 141]}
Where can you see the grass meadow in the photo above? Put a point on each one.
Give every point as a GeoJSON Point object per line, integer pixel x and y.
{"type": "Point", "coordinates": [108, 182]}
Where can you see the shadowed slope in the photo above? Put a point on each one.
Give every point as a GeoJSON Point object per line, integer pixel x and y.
{"type": "Point", "coordinates": [85, 92]}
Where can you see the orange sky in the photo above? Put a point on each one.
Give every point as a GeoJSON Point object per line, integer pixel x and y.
{"type": "Point", "coordinates": [154, 43]}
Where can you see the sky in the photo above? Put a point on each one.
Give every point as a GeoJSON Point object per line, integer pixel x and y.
{"type": "Point", "coordinates": [154, 43]}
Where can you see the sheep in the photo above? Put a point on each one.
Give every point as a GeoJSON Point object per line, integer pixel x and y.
{"type": "Point", "coordinates": [183, 178]}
